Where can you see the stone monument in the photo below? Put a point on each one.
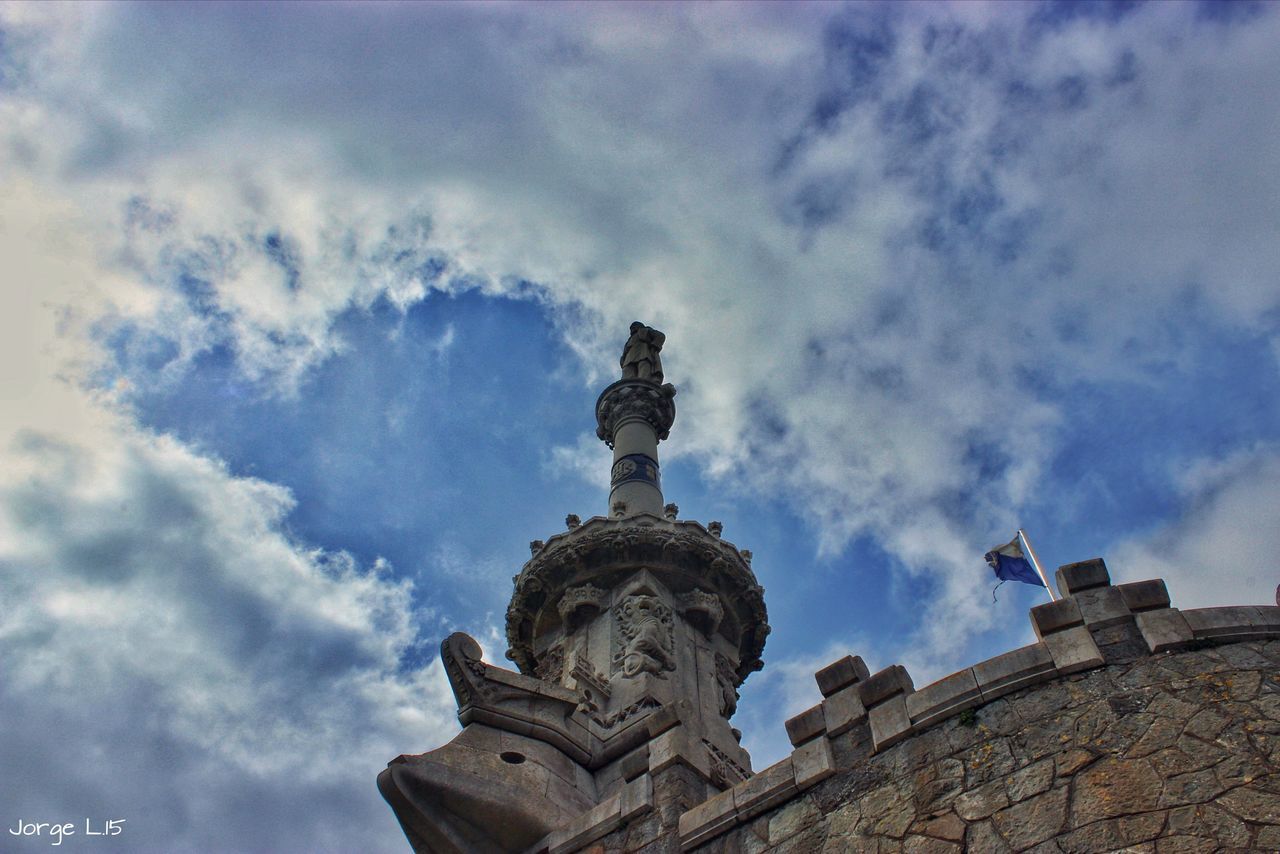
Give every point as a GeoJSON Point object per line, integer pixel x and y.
{"type": "Point", "coordinates": [632, 632]}
{"type": "Point", "coordinates": [1128, 725]}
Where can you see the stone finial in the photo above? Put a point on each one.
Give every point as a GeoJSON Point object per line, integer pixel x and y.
{"type": "Point", "coordinates": [535, 546]}
{"type": "Point", "coordinates": [746, 555]}
{"type": "Point", "coordinates": [572, 521]}
{"type": "Point", "coordinates": [670, 512]}
{"type": "Point", "coordinates": [715, 528]}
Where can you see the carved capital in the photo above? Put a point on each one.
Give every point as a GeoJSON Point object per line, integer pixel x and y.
{"type": "Point", "coordinates": [628, 399]}
{"type": "Point", "coordinates": [707, 604]}
{"type": "Point", "coordinates": [576, 597]}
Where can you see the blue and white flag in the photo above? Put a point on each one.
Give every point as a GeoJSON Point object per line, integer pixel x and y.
{"type": "Point", "coordinates": [1010, 564]}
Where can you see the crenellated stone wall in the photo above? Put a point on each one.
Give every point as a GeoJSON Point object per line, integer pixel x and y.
{"type": "Point", "coordinates": [1178, 752]}
{"type": "Point", "coordinates": [1129, 725]}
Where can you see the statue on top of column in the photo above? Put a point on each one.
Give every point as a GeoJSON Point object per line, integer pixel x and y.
{"type": "Point", "coordinates": [640, 359]}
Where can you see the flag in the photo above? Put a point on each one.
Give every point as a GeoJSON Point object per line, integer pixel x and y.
{"type": "Point", "coordinates": [1010, 564]}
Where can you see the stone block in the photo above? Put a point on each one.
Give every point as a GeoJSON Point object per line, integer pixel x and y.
{"type": "Point", "coordinates": [1013, 670]}
{"type": "Point", "coordinates": [807, 725]}
{"type": "Point", "coordinates": [1270, 615]}
{"type": "Point", "coordinates": [586, 828]}
{"type": "Point", "coordinates": [948, 696]}
{"type": "Point", "coordinates": [1102, 607]}
{"type": "Point", "coordinates": [890, 722]}
{"type": "Point", "coordinates": [841, 674]}
{"type": "Point", "coordinates": [708, 819]}
{"type": "Point", "coordinates": [1084, 575]}
{"type": "Point", "coordinates": [674, 746]}
{"type": "Point", "coordinates": [1055, 617]}
{"type": "Point", "coordinates": [842, 710]}
{"type": "Point", "coordinates": [812, 763]}
{"type": "Point", "coordinates": [662, 720]}
{"type": "Point", "coordinates": [1163, 629]}
{"type": "Point", "coordinates": [1237, 622]}
{"type": "Point", "coordinates": [637, 798]}
{"type": "Point", "coordinates": [634, 764]}
{"type": "Point", "coordinates": [1142, 596]}
{"type": "Point", "coordinates": [767, 789]}
{"type": "Point", "coordinates": [1073, 650]}
{"type": "Point", "coordinates": [887, 683]}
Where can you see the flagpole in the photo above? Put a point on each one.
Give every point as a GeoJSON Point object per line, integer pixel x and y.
{"type": "Point", "coordinates": [1036, 563]}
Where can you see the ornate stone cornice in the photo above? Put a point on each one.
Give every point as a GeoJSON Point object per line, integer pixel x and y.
{"type": "Point", "coordinates": [627, 399]}
{"type": "Point", "coordinates": [683, 554]}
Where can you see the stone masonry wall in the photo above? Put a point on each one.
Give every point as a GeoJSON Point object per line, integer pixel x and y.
{"type": "Point", "coordinates": [1173, 753]}
{"type": "Point", "coordinates": [1128, 726]}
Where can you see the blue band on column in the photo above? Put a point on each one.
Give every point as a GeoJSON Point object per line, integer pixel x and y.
{"type": "Point", "coordinates": [641, 467]}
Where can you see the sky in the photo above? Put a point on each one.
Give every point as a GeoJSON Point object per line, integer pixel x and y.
{"type": "Point", "coordinates": [304, 309]}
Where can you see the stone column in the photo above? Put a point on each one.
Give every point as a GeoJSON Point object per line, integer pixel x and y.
{"type": "Point", "coordinates": [632, 416]}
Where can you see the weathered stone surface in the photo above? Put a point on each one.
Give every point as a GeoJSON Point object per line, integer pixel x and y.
{"type": "Point", "coordinates": [1145, 595]}
{"type": "Point", "coordinates": [885, 684]}
{"type": "Point", "coordinates": [1013, 670]}
{"type": "Point", "coordinates": [929, 845]}
{"type": "Point", "coordinates": [792, 818]}
{"type": "Point", "coordinates": [812, 763]}
{"type": "Point", "coordinates": [1032, 780]}
{"type": "Point", "coordinates": [1253, 805]}
{"type": "Point", "coordinates": [983, 801]}
{"type": "Point", "coordinates": [1073, 650]}
{"type": "Point", "coordinates": [1034, 820]}
{"type": "Point", "coordinates": [890, 722]}
{"type": "Point", "coordinates": [983, 837]}
{"type": "Point", "coordinates": [1171, 753]}
{"type": "Point", "coordinates": [842, 709]}
{"type": "Point", "coordinates": [1083, 575]}
{"type": "Point", "coordinates": [943, 698]}
{"type": "Point", "coordinates": [1102, 607]}
{"type": "Point", "coordinates": [937, 785]}
{"type": "Point", "coordinates": [1055, 616]}
{"type": "Point", "coordinates": [810, 723]}
{"type": "Point", "coordinates": [947, 827]}
{"type": "Point", "coordinates": [841, 674]}
{"type": "Point", "coordinates": [1113, 787]}
{"type": "Point", "coordinates": [1164, 629]}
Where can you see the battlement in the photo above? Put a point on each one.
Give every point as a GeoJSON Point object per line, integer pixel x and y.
{"type": "Point", "coordinates": [1094, 625]}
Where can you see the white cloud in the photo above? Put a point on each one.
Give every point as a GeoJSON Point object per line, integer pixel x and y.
{"type": "Point", "coordinates": [160, 630]}
{"type": "Point", "coordinates": [1221, 549]}
{"type": "Point", "coordinates": [864, 303]}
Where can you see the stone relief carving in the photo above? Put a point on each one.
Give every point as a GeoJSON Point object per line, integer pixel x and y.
{"type": "Point", "coordinates": [614, 719]}
{"type": "Point", "coordinates": [727, 680]}
{"type": "Point", "coordinates": [591, 686]}
{"type": "Point", "coordinates": [600, 544]}
{"type": "Point", "coordinates": [461, 657]}
{"type": "Point", "coordinates": [645, 640]}
{"type": "Point", "coordinates": [551, 665]}
{"type": "Point", "coordinates": [725, 773]}
{"type": "Point", "coordinates": [707, 603]}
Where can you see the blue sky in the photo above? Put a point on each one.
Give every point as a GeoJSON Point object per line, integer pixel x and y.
{"type": "Point", "coordinates": [305, 308]}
